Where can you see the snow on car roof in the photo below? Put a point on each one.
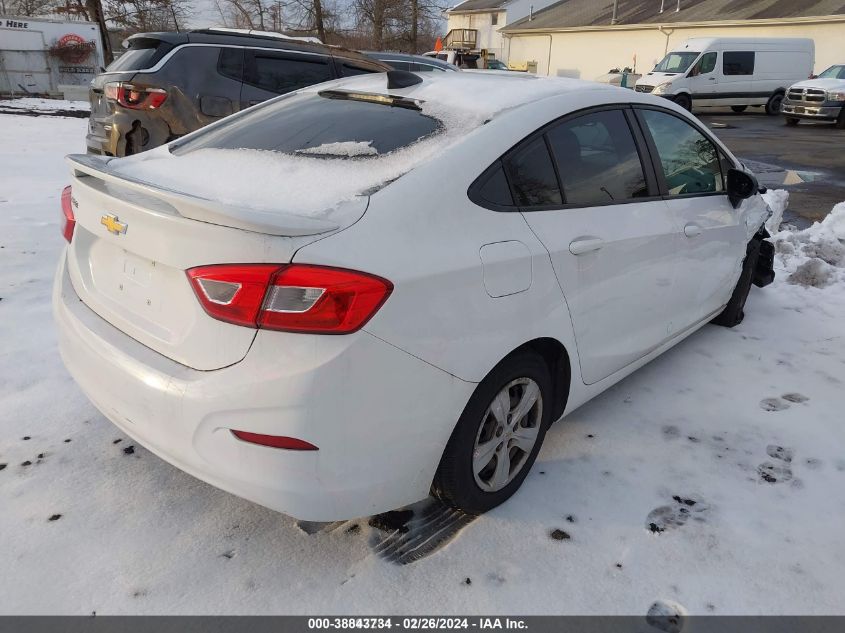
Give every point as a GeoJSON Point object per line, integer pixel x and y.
{"type": "Point", "coordinates": [485, 93]}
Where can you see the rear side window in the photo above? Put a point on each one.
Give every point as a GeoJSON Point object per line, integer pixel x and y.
{"type": "Point", "coordinates": [420, 67]}
{"type": "Point", "coordinates": [691, 164]}
{"type": "Point", "coordinates": [321, 127]}
{"type": "Point", "coordinates": [350, 69]}
{"type": "Point", "coordinates": [532, 175]}
{"type": "Point", "coordinates": [231, 63]}
{"type": "Point", "coordinates": [398, 65]}
{"type": "Point", "coordinates": [281, 73]}
{"type": "Point", "coordinates": [738, 63]}
{"type": "Point", "coordinates": [597, 159]}
{"type": "Point", "coordinates": [143, 54]}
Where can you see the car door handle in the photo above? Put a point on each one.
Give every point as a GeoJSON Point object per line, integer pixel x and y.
{"type": "Point", "coordinates": [585, 245]}
{"type": "Point", "coordinates": [711, 79]}
{"type": "Point", "coordinates": [692, 230]}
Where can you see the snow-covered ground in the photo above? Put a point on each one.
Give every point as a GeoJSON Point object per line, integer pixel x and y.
{"type": "Point", "coordinates": [35, 105]}
{"type": "Point", "coordinates": [712, 478]}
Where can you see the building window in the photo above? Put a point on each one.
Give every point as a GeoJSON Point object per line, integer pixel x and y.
{"type": "Point", "coordinates": [494, 20]}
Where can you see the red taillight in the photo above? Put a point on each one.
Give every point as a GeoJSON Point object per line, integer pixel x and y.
{"type": "Point", "coordinates": [68, 219]}
{"type": "Point", "coordinates": [294, 298]}
{"type": "Point", "coordinates": [135, 97]}
{"type": "Point", "coordinates": [275, 441]}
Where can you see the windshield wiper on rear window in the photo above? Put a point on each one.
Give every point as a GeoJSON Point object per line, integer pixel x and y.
{"type": "Point", "coordinates": [369, 97]}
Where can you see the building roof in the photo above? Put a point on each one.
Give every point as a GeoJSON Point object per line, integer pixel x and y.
{"type": "Point", "coordinates": [477, 5]}
{"type": "Point", "coordinates": [567, 14]}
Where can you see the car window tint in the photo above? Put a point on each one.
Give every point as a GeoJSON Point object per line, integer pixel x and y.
{"type": "Point", "coordinates": [690, 161]}
{"type": "Point", "coordinates": [283, 74]}
{"type": "Point", "coordinates": [597, 159]}
{"type": "Point", "coordinates": [397, 64]}
{"type": "Point", "coordinates": [533, 175]}
{"type": "Point", "coordinates": [144, 53]}
{"type": "Point", "coordinates": [318, 126]}
{"type": "Point", "coordinates": [707, 63]}
{"type": "Point", "coordinates": [231, 63]}
{"type": "Point", "coordinates": [495, 188]}
{"type": "Point", "coordinates": [738, 63]}
{"type": "Point", "coordinates": [349, 70]}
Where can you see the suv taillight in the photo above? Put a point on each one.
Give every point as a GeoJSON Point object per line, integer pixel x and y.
{"type": "Point", "coordinates": [135, 97]}
{"type": "Point", "coordinates": [293, 298]}
{"type": "Point", "coordinates": [68, 219]}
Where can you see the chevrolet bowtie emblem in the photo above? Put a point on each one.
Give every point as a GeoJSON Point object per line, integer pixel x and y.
{"type": "Point", "coordinates": [112, 224]}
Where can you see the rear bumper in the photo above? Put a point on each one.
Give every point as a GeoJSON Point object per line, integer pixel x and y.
{"type": "Point", "coordinates": [800, 110]}
{"type": "Point", "coordinates": [379, 416]}
{"type": "Point", "coordinates": [108, 136]}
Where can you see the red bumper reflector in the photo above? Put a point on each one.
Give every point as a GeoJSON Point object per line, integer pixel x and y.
{"type": "Point", "coordinates": [68, 219]}
{"type": "Point", "coordinates": [275, 441]}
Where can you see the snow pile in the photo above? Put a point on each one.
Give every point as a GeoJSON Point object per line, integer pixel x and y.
{"type": "Point", "coordinates": [348, 149]}
{"type": "Point", "coordinates": [815, 256]}
{"type": "Point", "coordinates": [295, 184]}
{"type": "Point", "coordinates": [778, 201]}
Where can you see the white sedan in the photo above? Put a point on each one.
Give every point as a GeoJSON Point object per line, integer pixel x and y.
{"type": "Point", "coordinates": [348, 298]}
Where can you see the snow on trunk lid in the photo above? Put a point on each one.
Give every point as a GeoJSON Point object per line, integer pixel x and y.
{"type": "Point", "coordinates": [128, 258]}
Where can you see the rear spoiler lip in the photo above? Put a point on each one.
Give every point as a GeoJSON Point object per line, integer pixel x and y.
{"type": "Point", "coordinates": [204, 210]}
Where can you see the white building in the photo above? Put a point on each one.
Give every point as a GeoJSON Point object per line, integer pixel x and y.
{"type": "Point", "coordinates": [486, 18]}
{"type": "Point", "coordinates": [48, 57]}
{"type": "Point", "coordinates": [580, 38]}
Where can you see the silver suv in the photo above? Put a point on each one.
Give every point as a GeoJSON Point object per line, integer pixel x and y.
{"type": "Point", "coordinates": [819, 99]}
{"type": "Point", "coordinates": [168, 84]}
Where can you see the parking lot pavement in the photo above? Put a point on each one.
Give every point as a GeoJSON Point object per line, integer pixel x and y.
{"type": "Point", "coordinates": [804, 160]}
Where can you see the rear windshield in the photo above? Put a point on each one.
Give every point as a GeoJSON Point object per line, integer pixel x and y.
{"type": "Point", "coordinates": [143, 54]}
{"type": "Point", "coordinates": [324, 125]}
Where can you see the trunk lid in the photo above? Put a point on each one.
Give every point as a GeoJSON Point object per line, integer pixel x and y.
{"type": "Point", "coordinates": [133, 242]}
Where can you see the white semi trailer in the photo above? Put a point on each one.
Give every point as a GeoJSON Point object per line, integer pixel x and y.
{"type": "Point", "coordinates": [39, 56]}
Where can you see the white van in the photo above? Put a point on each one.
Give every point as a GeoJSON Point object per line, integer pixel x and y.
{"type": "Point", "coordinates": [735, 72]}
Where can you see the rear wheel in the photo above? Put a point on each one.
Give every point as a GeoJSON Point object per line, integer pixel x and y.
{"type": "Point", "coordinates": [685, 101]}
{"type": "Point", "coordinates": [739, 108]}
{"type": "Point", "coordinates": [497, 437]}
{"type": "Point", "coordinates": [734, 312]}
{"type": "Point", "coordinates": [773, 106]}
{"type": "Point", "coordinates": [791, 121]}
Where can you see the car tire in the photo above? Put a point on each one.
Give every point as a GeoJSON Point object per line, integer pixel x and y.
{"type": "Point", "coordinates": [685, 101]}
{"type": "Point", "coordinates": [774, 103]}
{"type": "Point", "coordinates": [734, 312]}
{"type": "Point", "coordinates": [463, 480]}
{"type": "Point", "coordinates": [791, 121]}
{"type": "Point", "coordinates": [840, 122]}
{"type": "Point", "coordinates": [739, 109]}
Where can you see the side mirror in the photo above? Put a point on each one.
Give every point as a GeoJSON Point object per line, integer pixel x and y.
{"type": "Point", "coordinates": [741, 186]}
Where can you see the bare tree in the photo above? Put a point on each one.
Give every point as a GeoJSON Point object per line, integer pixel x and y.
{"type": "Point", "coordinates": [399, 24]}
{"type": "Point", "coordinates": [138, 16]}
